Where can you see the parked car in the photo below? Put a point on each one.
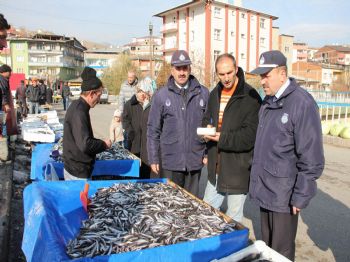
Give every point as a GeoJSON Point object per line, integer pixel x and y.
{"type": "Point", "coordinates": [104, 96]}
{"type": "Point", "coordinates": [75, 91]}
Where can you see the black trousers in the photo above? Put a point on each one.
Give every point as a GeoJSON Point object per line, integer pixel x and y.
{"type": "Point", "coordinates": [279, 230]}
{"type": "Point", "coordinates": [189, 180]}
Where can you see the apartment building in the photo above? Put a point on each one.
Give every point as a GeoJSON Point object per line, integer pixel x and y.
{"type": "Point", "coordinates": [207, 29]}
{"type": "Point", "coordinates": [333, 54]}
{"type": "Point", "coordinates": [50, 57]}
{"type": "Point", "coordinates": [300, 52]}
{"type": "Point", "coordinates": [283, 43]}
{"type": "Point", "coordinates": [143, 50]}
{"type": "Point", "coordinates": [100, 59]}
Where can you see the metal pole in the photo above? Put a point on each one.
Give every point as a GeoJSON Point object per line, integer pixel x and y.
{"type": "Point", "coordinates": [150, 27]}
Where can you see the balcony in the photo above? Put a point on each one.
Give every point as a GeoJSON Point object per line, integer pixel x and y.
{"type": "Point", "coordinates": [43, 51]}
{"type": "Point", "coordinates": [168, 28]}
{"type": "Point", "coordinates": [46, 64]}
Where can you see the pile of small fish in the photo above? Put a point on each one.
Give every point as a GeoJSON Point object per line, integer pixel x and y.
{"type": "Point", "coordinates": [116, 152]}
{"type": "Point", "coordinates": [134, 216]}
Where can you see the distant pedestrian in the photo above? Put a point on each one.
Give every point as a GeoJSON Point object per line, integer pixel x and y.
{"type": "Point", "coordinates": [66, 93]}
{"type": "Point", "coordinates": [288, 153]}
{"type": "Point", "coordinates": [49, 95]}
{"type": "Point", "coordinates": [116, 128]}
{"type": "Point", "coordinates": [127, 89]}
{"type": "Point", "coordinates": [42, 87]}
{"type": "Point", "coordinates": [33, 95]}
{"type": "Point", "coordinates": [22, 100]}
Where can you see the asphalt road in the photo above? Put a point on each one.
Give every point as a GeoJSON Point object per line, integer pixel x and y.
{"type": "Point", "coordinates": [324, 226]}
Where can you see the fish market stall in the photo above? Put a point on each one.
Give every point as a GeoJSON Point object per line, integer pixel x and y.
{"type": "Point", "coordinates": [44, 127]}
{"type": "Point", "coordinates": [114, 162]}
{"type": "Point", "coordinates": [124, 224]}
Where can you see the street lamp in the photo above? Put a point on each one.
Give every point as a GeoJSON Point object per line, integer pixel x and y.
{"type": "Point", "coordinates": [150, 27]}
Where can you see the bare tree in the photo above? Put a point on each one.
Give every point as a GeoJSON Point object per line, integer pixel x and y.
{"type": "Point", "coordinates": [163, 74]}
{"type": "Point", "coordinates": [115, 75]}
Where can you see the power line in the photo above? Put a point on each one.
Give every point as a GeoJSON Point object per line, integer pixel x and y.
{"type": "Point", "coordinates": [32, 12]}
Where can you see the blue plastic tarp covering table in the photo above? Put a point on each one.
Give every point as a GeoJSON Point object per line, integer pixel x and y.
{"type": "Point", "coordinates": [41, 158]}
{"type": "Point", "coordinates": [53, 214]}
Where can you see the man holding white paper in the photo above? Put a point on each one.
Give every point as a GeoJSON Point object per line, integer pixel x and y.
{"type": "Point", "coordinates": [233, 109]}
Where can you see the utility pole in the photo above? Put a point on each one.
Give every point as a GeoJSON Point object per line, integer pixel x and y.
{"type": "Point", "coordinates": [150, 27]}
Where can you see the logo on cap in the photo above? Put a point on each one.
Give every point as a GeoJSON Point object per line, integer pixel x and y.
{"type": "Point", "coordinates": [182, 57]}
{"type": "Point", "coordinates": [262, 60]}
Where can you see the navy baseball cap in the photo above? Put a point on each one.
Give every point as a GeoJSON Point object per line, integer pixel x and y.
{"type": "Point", "coordinates": [180, 58]}
{"type": "Point", "coordinates": [268, 61]}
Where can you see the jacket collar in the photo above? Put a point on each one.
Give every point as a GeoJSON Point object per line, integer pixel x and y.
{"type": "Point", "coordinates": [84, 103]}
{"type": "Point", "coordinates": [240, 85]}
{"type": "Point", "coordinates": [133, 100]}
{"type": "Point", "coordinates": [279, 102]}
{"type": "Point", "coordinates": [193, 85]}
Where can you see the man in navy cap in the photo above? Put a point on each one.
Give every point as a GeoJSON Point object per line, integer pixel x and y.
{"type": "Point", "coordinates": [79, 144]}
{"type": "Point", "coordinates": [176, 111]}
{"type": "Point", "coordinates": [288, 153]}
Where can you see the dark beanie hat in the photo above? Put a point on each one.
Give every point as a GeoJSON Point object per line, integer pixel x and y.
{"type": "Point", "coordinates": [5, 68]}
{"type": "Point", "coordinates": [90, 81]}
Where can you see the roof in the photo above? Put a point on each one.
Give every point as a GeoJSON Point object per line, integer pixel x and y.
{"type": "Point", "coordinates": [196, 2]}
{"type": "Point", "coordinates": [339, 48]}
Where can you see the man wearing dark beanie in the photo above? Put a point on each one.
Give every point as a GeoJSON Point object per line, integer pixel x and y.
{"type": "Point", "coordinates": [79, 145]}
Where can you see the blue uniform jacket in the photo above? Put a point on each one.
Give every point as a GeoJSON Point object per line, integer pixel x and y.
{"type": "Point", "coordinates": [288, 153]}
{"type": "Point", "coordinates": [172, 126]}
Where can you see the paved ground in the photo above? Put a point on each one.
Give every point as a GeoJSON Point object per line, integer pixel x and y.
{"type": "Point", "coordinates": [323, 231]}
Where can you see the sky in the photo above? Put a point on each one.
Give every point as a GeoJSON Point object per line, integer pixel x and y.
{"type": "Point", "coordinates": [315, 22]}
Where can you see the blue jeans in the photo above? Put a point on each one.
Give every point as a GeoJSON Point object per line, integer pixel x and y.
{"type": "Point", "coordinates": [235, 203]}
{"type": "Point", "coordinates": [65, 103]}
{"type": "Point", "coordinates": [33, 107]}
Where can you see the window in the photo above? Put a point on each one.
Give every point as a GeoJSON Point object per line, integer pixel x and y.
{"type": "Point", "coordinates": [251, 37]}
{"type": "Point", "coordinates": [19, 46]}
{"type": "Point", "coordinates": [233, 13]}
{"type": "Point", "coordinates": [217, 33]}
{"type": "Point", "coordinates": [242, 55]}
{"type": "Point", "coordinates": [216, 54]}
{"type": "Point", "coordinates": [286, 49]}
{"type": "Point", "coordinates": [243, 15]}
{"type": "Point", "coordinates": [133, 48]}
{"type": "Point", "coordinates": [20, 70]}
{"type": "Point", "coordinates": [217, 11]}
{"type": "Point", "coordinates": [193, 15]}
{"type": "Point", "coordinates": [20, 58]}
{"type": "Point", "coordinates": [40, 46]}
{"type": "Point", "coordinates": [262, 23]}
{"type": "Point", "coordinates": [232, 33]}
{"type": "Point", "coordinates": [174, 20]}
{"type": "Point", "coordinates": [252, 18]}
{"type": "Point", "coordinates": [262, 40]}
{"type": "Point", "coordinates": [243, 36]}
{"type": "Point", "coordinates": [192, 35]}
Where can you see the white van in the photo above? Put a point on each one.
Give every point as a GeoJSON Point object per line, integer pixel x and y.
{"type": "Point", "coordinates": [75, 91]}
{"type": "Point", "coordinates": [104, 96]}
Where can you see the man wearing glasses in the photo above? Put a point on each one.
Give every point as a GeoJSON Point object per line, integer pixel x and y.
{"type": "Point", "coordinates": [79, 145]}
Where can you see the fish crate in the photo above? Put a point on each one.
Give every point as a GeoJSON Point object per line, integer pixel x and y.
{"type": "Point", "coordinates": [54, 213]}
{"type": "Point", "coordinates": [41, 160]}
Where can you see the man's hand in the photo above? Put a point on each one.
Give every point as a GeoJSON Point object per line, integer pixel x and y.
{"type": "Point", "coordinates": [212, 138]}
{"type": "Point", "coordinates": [295, 210]}
{"type": "Point", "coordinates": [205, 160]}
{"type": "Point", "coordinates": [7, 108]}
{"type": "Point", "coordinates": [108, 143]}
{"type": "Point", "coordinates": [155, 168]}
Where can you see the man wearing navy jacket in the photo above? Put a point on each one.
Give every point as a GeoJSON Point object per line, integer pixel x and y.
{"type": "Point", "coordinates": [288, 153]}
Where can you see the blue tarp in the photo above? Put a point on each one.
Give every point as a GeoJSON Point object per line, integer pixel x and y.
{"type": "Point", "coordinates": [41, 158]}
{"type": "Point", "coordinates": [53, 215]}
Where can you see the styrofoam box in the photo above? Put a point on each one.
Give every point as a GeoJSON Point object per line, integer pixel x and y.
{"type": "Point", "coordinates": [259, 247]}
{"type": "Point", "coordinates": [210, 131]}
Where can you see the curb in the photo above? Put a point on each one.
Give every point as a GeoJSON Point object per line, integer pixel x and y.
{"type": "Point", "coordinates": [6, 173]}
{"type": "Point", "coordinates": [336, 141]}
